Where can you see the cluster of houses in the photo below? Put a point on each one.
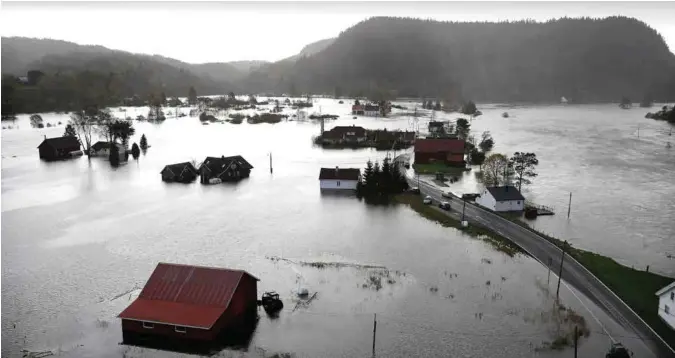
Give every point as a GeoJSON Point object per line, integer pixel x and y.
{"type": "Point", "coordinates": [371, 109]}
{"type": "Point", "coordinates": [59, 148]}
{"type": "Point", "coordinates": [361, 137]}
{"type": "Point", "coordinates": [213, 170]}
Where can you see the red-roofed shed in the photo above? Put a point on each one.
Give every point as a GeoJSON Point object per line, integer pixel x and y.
{"type": "Point", "coordinates": [444, 150]}
{"type": "Point", "coordinates": [190, 302]}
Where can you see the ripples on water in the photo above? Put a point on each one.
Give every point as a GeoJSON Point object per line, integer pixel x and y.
{"type": "Point", "coordinates": [77, 234]}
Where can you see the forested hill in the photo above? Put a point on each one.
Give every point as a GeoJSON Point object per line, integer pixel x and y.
{"type": "Point", "coordinates": [586, 60]}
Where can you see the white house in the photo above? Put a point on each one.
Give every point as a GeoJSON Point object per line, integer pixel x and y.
{"type": "Point", "coordinates": [667, 304]}
{"type": "Point", "coordinates": [501, 198]}
{"type": "Point", "coordinates": [339, 179]}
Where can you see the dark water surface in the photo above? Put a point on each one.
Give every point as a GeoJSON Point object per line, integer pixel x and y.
{"type": "Point", "coordinates": [80, 238]}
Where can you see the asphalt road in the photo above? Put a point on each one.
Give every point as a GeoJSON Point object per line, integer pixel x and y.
{"type": "Point", "coordinates": [550, 255]}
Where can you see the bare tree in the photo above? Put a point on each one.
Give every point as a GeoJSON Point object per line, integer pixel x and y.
{"type": "Point", "coordinates": [84, 124]}
{"type": "Point", "coordinates": [496, 170]}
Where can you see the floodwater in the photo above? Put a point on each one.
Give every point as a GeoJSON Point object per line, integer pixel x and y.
{"type": "Point", "coordinates": [79, 238]}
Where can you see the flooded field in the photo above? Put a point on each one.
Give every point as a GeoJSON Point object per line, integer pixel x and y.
{"type": "Point", "coordinates": [79, 238]}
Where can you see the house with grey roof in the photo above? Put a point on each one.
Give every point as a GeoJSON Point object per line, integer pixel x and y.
{"type": "Point", "coordinates": [501, 198]}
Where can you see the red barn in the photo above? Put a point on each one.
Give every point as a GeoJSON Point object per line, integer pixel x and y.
{"type": "Point", "coordinates": [439, 150]}
{"type": "Point", "coordinates": [190, 302]}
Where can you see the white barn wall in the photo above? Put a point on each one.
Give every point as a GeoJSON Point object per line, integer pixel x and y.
{"type": "Point", "coordinates": [664, 300]}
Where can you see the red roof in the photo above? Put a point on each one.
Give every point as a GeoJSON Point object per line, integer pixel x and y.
{"type": "Point", "coordinates": [184, 295]}
{"type": "Point", "coordinates": [436, 145]}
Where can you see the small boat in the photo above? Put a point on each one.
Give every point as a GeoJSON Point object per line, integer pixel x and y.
{"type": "Point", "coordinates": [271, 302]}
{"type": "Point", "coordinates": [505, 115]}
{"type": "Point", "coordinates": [563, 100]}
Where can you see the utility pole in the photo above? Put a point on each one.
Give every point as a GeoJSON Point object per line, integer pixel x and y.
{"type": "Point", "coordinates": [569, 206]}
{"type": "Point", "coordinates": [270, 162]}
{"type": "Point", "coordinates": [576, 340]}
{"type": "Point", "coordinates": [374, 332]}
{"type": "Point", "coordinates": [463, 207]}
{"type": "Point", "coordinates": [638, 131]}
{"type": "Point", "coordinates": [562, 258]}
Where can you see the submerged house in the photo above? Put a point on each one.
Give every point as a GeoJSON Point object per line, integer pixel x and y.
{"type": "Point", "coordinates": [216, 170]}
{"type": "Point", "coordinates": [501, 198]}
{"type": "Point", "coordinates": [192, 303]}
{"type": "Point", "coordinates": [59, 148]}
{"type": "Point", "coordinates": [180, 172]}
{"type": "Point", "coordinates": [102, 149]}
{"type": "Point", "coordinates": [344, 135]}
{"type": "Point", "coordinates": [449, 151]}
{"type": "Point", "coordinates": [339, 179]}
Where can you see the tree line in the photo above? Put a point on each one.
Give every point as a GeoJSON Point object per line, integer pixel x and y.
{"type": "Point", "coordinates": [379, 182]}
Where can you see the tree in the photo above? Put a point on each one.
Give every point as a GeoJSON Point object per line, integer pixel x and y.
{"type": "Point", "coordinates": [523, 165]}
{"type": "Point", "coordinates": [135, 151]}
{"type": "Point", "coordinates": [84, 123]}
{"type": "Point", "coordinates": [36, 121]}
{"type": "Point", "coordinates": [385, 177]}
{"type": "Point", "coordinates": [437, 107]}
{"type": "Point", "coordinates": [162, 97]}
{"type": "Point", "coordinates": [477, 157]}
{"type": "Point", "coordinates": [144, 143]}
{"type": "Point", "coordinates": [231, 97]}
{"type": "Point", "coordinates": [192, 96]}
{"type": "Point", "coordinates": [114, 156]}
{"type": "Point", "coordinates": [469, 108]}
{"type": "Point", "coordinates": [369, 184]}
{"type": "Point", "coordinates": [357, 103]}
{"type": "Point", "coordinates": [462, 128]}
{"type": "Point", "coordinates": [70, 131]}
{"type": "Point", "coordinates": [252, 99]}
{"type": "Point", "coordinates": [487, 142]}
{"type": "Point", "coordinates": [122, 130]}
{"type": "Point", "coordinates": [494, 168]}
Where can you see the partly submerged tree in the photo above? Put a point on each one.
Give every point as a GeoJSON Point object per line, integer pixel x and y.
{"type": "Point", "coordinates": [486, 142]}
{"type": "Point", "coordinates": [477, 157]}
{"type": "Point", "coordinates": [135, 151]}
{"type": "Point", "coordinates": [523, 165]}
{"type": "Point", "coordinates": [36, 121]}
{"type": "Point", "coordinates": [469, 108]}
{"type": "Point", "coordinates": [114, 156]}
{"type": "Point", "coordinates": [144, 142]}
{"type": "Point", "coordinates": [462, 128]}
{"type": "Point", "coordinates": [84, 123]}
{"type": "Point", "coordinates": [496, 170]}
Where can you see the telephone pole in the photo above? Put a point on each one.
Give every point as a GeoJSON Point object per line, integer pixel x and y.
{"type": "Point", "coordinates": [270, 162]}
{"type": "Point", "coordinates": [463, 207]}
{"type": "Point", "coordinates": [576, 340]}
{"type": "Point", "coordinates": [569, 206]}
{"type": "Point", "coordinates": [562, 258]}
{"type": "Point", "coordinates": [374, 332]}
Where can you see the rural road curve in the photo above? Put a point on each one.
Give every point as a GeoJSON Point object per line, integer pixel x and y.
{"type": "Point", "coordinates": [549, 255]}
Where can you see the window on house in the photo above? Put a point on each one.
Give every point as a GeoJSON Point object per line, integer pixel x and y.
{"type": "Point", "coordinates": [148, 325]}
{"type": "Point", "coordinates": [667, 309]}
{"type": "Point", "coordinates": [518, 202]}
{"type": "Point", "coordinates": [338, 183]}
{"type": "Point", "coordinates": [672, 296]}
{"type": "Point", "coordinates": [180, 329]}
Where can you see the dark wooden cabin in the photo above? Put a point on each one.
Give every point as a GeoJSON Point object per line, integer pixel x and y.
{"type": "Point", "coordinates": [180, 172]}
{"type": "Point", "coordinates": [58, 148]}
{"type": "Point", "coordinates": [226, 169]}
{"type": "Point", "coordinates": [190, 303]}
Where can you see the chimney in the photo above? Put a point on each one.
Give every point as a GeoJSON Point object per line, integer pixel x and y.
{"type": "Point", "coordinates": [222, 157]}
{"type": "Point", "coordinates": [337, 169]}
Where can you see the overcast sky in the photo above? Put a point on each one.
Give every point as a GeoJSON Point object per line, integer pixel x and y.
{"type": "Point", "coordinates": [219, 32]}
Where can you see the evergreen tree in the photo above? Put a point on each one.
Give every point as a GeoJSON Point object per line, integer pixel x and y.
{"type": "Point", "coordinates": [135, 151]}
{"type": "Point", "coordinates": [114, 155]}
{"type": "Point", "coordinates": [377, 177]}
{"type": "Point", "coordinates": [369, 184]}
{"type": "Point", "coordinates": [192, 96]}
{"type": "Point", "coordinates": [144, 143]}
{"type": "Point", "coordinates": [70, 131]}
{"type": "Point", "coordinates": [385, 182]}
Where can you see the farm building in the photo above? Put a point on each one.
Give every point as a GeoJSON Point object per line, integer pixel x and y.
{"type": "Point", "coordinates": [439, 150]}
{"type": "Point", "coordinates": [59, 148]}
{"type": "Point", "coordinates": [191, 303]}
{"type": "Point", "coordinates": [180, 172]}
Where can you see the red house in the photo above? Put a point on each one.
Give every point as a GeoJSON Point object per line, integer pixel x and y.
{"type": "Point", "coordinates": [190, 302]}
{"type": "Point", "coordinates": [439, 150]}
